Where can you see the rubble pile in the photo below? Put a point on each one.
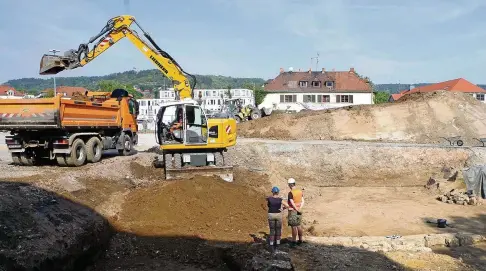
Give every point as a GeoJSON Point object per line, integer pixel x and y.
{"type": "Point", "coordinates": [459, 197]}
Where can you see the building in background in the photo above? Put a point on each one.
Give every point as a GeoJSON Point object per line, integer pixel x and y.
{"type": "Point", "coordinates": [297, 90]}
{"type": "Point", "coordinates": [211, 100]}
{"type": "Point", "coordinates": [456, 85]}
{"type": "Point", "coordinates": [66, 91]}
{"type": "Point", "coordinates": [8, 92]}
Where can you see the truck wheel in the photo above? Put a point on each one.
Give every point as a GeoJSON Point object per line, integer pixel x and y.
{"type": "Point", "coordinates": [93, 150]}
{"type": "Point", "coordinates": [77, 157]}
{"type": "Point", "coordinates": [127, 146]}
{"type": "Point", "coordinates": [16, 158]}
{"type": "Point", "coordinates": [238, 119]}
{"type": "Point", "coordinates": [255, 115]}
{"type": "Point", "coordinates": [61, 160]}
{"type": "Point", "coordinates": [177, 161]}
{"type": "Point", "coordinates": [26, 160]}
{"type": "Point", "coordinates": [218, 159]}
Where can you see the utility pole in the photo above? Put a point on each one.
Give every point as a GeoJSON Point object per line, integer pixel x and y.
{"type": "Point", "coordinates": [317, 61]}
{"type": "Point", "coordinates": [54, 51]}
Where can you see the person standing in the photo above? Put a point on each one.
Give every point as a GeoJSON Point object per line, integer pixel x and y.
{"type": "Point", "coordinates": [275, 207]}
{"type": "Point", "coordinates": [295, 202]}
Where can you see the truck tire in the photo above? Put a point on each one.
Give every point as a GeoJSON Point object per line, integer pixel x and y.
{"type": "Point", "coordinates": [77, 157]}
{"type": "Point", "coordinates": [218, 159]}
{"type": "Point", "coordinates": [61, 160]}
{"type": "Point", "coordinates": [94, 150]}
{"type": "Point", "coordinates": [26, 160]}
{"type": "Point", "coordinates": [127, 146]}
{"type": "Point", "coordinates": [177, 161]}
{"type": "Point", "coordinates": [255, 115]}
{"type": "Point", "coordinates": [16, 158]}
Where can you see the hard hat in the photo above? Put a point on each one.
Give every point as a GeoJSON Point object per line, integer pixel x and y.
{"type": "Point", "coordinates": [275, 189]}
{"type": "Point", "coordinates": [291, 180]}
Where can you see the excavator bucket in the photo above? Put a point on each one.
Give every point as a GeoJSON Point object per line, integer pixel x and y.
{"type": "Point", "coordinates": [51, 64]}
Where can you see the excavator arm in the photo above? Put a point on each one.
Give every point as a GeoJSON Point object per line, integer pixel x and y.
{"type": "Point", "coordinates": [116, 29]}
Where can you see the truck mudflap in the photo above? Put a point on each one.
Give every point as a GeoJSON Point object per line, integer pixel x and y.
{"type": "Point", "coordinates": [188, 172]}
{"type": "Point", "coordinates": [27, 119]}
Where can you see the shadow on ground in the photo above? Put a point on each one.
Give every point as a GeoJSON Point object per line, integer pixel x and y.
{"type": "Point", "coordinates": [41, 230]}
{"type": "Point", "coordinates": [474, 255]}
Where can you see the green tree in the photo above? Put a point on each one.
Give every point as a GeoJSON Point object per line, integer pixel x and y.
{"type": "Point", "coordinates": [381, 97]}
{"type": "Point", "coordinates": [258, 92]}
{"type": "Point", "coordinates": [110, 85]}
{"type": "Point", "coordinates": [49, 93]}
{"type": "Point", "coordinates": [228, 92]}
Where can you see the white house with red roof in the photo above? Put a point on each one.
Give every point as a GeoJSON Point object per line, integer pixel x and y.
{"type": "Point", "coordinates": [456, 85]}
{"type": "Point", "coordinates": [8, 92]}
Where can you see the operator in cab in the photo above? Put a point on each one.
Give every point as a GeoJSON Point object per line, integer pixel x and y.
{"type": "Point", "coordinates": [176, 125]}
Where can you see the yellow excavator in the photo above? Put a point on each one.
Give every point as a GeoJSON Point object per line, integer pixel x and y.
{"type": "Point", "coordinates": [191, 144]}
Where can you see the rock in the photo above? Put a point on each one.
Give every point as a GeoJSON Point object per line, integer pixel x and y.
{"type": "Point", "coordinates": [453, 177]}
{"type": "Point", "coordinates": [466, 239]}
{"type": "Point", "coordinates": [473, 201]}
{"type": "Point", "coordinates": [450, 201]}
{"type": "Point", "coordinates": [266, 261]}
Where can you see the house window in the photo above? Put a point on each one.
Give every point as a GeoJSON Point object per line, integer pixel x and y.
{"type": "Point", "coordinates": [329, 84]}
{"type": "Point", "coordinates": [344, 99]}
{"type": "Point", "coordinates": [303, 84]}
{"type": "Point", "coordinates": [207, 93]}
{"type": "Point", "coordinates": [288, 98]}
{"type": "Point", "coordinates": [10, 92]}
{"type": "Point", "coordinates": [323, 99]}
{"type": "Point", "coordinates": [309, 98]}
{"type": "Point", "coordinates": [316, 84]}
{"type": "Point", "coordinates": [215, 94]}
{"type": "Point", "coordinates": [237, 92]}
{"type": "Point", "coordinates": [480, 97]}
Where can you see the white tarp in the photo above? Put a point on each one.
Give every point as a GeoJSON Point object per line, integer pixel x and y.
{"type": "Point", "coordinates": [475, 178]}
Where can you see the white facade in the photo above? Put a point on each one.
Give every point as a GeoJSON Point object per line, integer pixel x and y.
{"type": "Point", "coordinates": [315, 101]}
{"type": "Point", "coordinates": [213, 98]}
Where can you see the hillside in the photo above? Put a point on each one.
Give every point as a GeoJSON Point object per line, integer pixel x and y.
{"type": "Point", "coordinates": [420, 118]}
{"type": "Point", "coordinates": [146, 79]}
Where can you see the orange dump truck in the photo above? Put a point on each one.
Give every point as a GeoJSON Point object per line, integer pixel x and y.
{"type": "Point", "coordinates": [71, 131]}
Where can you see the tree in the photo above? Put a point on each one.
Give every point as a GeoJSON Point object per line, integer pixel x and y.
{"type": "Point", "coordinates": [228, 92]}
{"type": "Point", "coordinates": [258, 92]}
{"type": "Point", "coordinates": [49, 93]}
{"type": "Point", "coordinates": [110, 85]}
{"type": "Point", "coordinates": [381, 97]}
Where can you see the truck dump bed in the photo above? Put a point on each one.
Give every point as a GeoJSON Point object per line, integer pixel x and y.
{"type": "Point", "coordinates": [58, 113]}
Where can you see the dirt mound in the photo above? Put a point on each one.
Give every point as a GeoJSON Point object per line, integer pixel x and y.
{"type": "Point", "coordinates": [202, 207]}
{"type": "Point", "coordinates": [418, 118]}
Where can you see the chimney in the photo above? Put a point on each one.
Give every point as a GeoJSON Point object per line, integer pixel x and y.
{"type": "Point", "coordinates": [310, 70]}
{"type": "Point", "coordinates": [351, 70]}
{"type": "Point", "coordinates": [282, 70]}
{"type": "Point", "coordinates": [323, 70]}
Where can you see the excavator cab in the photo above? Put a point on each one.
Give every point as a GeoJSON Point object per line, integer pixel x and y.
{"type": "Point", "coordinates": [203, 147]}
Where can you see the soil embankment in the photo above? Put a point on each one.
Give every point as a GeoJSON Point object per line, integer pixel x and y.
{"type": "Point", "coordinates": [418, 118]}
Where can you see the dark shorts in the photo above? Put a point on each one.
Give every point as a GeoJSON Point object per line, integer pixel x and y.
{"type": "Point", "coordinates": [294, 219]}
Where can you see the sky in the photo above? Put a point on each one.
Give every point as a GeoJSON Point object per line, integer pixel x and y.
{"type": "Point", "coordinates": [390, 41]}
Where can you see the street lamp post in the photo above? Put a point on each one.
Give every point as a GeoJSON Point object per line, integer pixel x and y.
{"type": "Point", "coordinates": [54, 51]}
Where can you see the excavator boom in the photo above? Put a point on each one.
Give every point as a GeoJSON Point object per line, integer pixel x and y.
{"type": "Point", "coordinates": [116, 29]}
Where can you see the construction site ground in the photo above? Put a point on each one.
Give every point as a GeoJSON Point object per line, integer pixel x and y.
{"type": "Point", "coordinates": [351, 190]}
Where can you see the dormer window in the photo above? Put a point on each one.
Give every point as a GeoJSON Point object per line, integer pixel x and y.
{"type": "Point", "coordinates": [329, 84]}
{"type": "Point", "coordinates": [303, 84]}
{"type": "Point", "coordinates": [316, 84]}
{"type": "Point", "coordinates": [10, 92]}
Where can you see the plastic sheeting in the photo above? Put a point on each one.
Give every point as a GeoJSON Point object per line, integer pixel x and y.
{"type": "Point", "coordinates": [475, 178]}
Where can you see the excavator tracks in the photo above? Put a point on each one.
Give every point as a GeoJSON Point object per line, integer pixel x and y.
{"type": "Point", "coordinates": [175, 168]}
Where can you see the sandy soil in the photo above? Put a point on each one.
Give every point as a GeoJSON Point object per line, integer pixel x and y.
{"type": "Point", "coordinates": [181, 223]}
{"type": "Point", "coordinates": [423, 118]}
